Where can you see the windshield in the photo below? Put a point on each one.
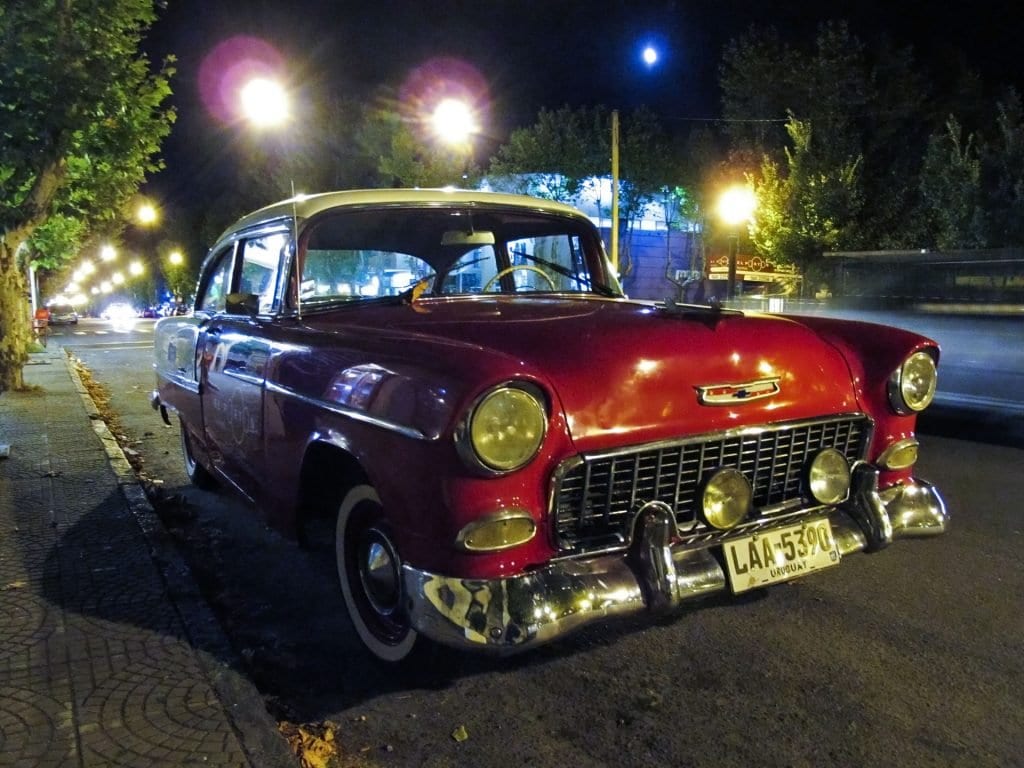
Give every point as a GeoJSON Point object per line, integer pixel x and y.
{"type": "Point", "coordinates": [444, 251]}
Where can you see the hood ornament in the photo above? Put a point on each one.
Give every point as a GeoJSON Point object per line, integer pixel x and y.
{"type": "Point", "coordinates": [729, 394]}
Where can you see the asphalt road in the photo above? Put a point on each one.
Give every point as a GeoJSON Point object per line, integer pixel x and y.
{"type": "Point", "coordinates": [910, 657]}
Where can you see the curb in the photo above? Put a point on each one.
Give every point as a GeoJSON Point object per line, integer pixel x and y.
{"type": "Point", "coordinates": [257, 732]}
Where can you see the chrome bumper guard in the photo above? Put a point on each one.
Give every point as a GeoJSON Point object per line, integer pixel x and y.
{"type": "Point", "coordinates": [510, 615]}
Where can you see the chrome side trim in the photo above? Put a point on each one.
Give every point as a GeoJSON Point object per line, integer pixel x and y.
{"type": "Point", "coordinates": [248, 378]}
{"type": "Point", "coordinates": [510, 615]}
{"type": "Point", "coordinates": [180, 380]}
{"type": "Point", "coordinates": [350, 413]}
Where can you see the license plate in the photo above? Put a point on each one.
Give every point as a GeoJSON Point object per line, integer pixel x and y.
{"type": "Point", "coordinates": [780, 554]}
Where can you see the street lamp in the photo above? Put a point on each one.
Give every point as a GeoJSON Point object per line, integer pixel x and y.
{"type": "Point", "coordinates": [453, 122]}
{"type": "Point", "coordinates": [147, 214]}
{"type": "Point", "coordinates": [735, 206]}
{"type": "Point", "coordinates": [264, 102]}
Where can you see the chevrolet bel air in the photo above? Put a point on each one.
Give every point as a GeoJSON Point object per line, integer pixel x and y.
{"type": "Point", "coordinates": [507, 448]}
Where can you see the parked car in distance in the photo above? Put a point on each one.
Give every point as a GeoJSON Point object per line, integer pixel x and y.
{"type": "Point", "coordinates": [63, 314]}
{"type": "Point", "coordinates": [508, 448]}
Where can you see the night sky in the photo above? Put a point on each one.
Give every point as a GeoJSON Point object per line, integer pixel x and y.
{"type": "Point", "coordinates": [527, 55]}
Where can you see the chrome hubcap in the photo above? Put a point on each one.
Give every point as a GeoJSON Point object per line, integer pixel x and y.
{"type": "Point", "coordinates": [379, 573]}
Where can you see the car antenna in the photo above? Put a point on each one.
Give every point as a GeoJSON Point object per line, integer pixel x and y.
{"type": "Point", "coordinates": [295, 242]}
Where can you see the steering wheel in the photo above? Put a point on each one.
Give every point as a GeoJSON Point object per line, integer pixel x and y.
{"type": "Point", "coordinates": [513, 268]}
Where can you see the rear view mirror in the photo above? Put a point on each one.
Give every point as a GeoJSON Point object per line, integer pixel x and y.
{"type": "Point", "coordinates": [460, 237]}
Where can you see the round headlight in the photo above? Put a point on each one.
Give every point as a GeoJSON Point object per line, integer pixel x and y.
{"type": "Point", "coordinates": [726, 500]}
{"type": "Point", "coordinates": [912, 386]}
{"type": "Point", "coordinates": [828, 477]}
{"type": "Point", "coordinates": [506, 428]}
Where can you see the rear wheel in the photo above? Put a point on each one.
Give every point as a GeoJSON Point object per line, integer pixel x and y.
{"type": "Point", "coordinates": [198, 474]}
{"type": "Point", "coordinates": [370, 572]}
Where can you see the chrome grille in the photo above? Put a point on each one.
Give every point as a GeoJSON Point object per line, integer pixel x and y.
{"type": "Point", "coordinates": [596, 496]}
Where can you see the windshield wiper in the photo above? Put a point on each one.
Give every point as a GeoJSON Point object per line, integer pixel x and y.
{"type": "Point", "coordinates": [564, 272]}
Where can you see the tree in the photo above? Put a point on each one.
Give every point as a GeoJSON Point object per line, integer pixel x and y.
{"type": "Point", "coordinates": [951, 191]}
{"type": "Point", "coordinates": [805, 207]}
{"type": "Point", "coordinates": [83, 118]}
{"type": "Point", "coordinates": [867, 108]}
{"type": "Point", "coordinates": [1002, 163]}
{"type": "Point", "coordinates": [556, 156]}
{"type": "Point", "coordinates": [402, 153]}
{"type": "Point", "coordinates": [759, 80]}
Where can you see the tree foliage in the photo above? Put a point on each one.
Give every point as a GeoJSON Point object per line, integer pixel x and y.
{"type": "Point", "coordinates": [403, 156]}
{"type": "Point", "coordinates": [951, 190]}
{"type": "Point", "coordinates": [1002, 169]}
{"type": "Point", "coordinates": [805, 205]}
{"type": "Point", "coordinates": [556, 156]}
{"type": "Point", "coordinates": [83, 119]}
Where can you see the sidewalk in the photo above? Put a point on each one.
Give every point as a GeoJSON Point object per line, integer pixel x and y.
{"type": "Point", "coordinates": [109, 655]}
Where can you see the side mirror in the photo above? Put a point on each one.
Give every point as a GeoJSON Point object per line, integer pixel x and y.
{"type": "Point", "coordinates": [242, 304]}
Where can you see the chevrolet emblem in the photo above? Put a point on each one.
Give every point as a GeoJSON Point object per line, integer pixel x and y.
{"type": "Point", "coordinates": [727, 394]}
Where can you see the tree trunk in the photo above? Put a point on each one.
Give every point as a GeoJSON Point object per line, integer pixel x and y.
{"type": "Point", "coordinates": [15, 323]}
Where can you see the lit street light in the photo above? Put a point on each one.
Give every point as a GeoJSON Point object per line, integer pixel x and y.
{"type": "Point", "coordinates": [735, 207]}
{"type": "Point", "coordinates": [453, 122]}
{"type": "Point", "coordinates": [146, 214]}
{"type": "Point", "coordinates": [264, 102]}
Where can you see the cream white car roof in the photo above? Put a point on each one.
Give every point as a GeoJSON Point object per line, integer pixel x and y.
{"type": "Point", "coordinates": [305, 206]}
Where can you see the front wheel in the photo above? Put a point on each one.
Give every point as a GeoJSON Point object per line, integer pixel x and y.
{"type": "Point", "coordinates": [198, 474]}
{"type": "Point", "coordinates": [370, 572]}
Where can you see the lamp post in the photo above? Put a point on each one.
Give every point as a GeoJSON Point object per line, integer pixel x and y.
{"type": "Point", "coordinates": [735, 206]}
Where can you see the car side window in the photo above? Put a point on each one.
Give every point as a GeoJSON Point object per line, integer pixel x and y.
{"type": "Point", "coordinates": [346, 274]}
{"type": "Point", "coordinates": [214, 293]}
{"type": "Point", "coordinates": [261, 269]}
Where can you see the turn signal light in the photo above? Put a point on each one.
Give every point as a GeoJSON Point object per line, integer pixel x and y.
{"type": "Point", "coordinates": [497, 532]}
{"type": "Point", "coordinates": [899, 455]}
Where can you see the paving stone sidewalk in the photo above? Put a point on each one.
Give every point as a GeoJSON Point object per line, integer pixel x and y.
{"type": "Point", "coordinates": [108, 654]}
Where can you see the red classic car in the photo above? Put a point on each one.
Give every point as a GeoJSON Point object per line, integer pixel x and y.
{"type": "Point", "coordinates": [508, 448]}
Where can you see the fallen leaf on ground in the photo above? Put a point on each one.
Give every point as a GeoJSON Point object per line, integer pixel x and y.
{"type": "Point", "coordinates": [312, 743]}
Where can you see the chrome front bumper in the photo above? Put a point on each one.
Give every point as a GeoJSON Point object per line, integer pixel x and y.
{"type": "Point", "coordinates": [515, 614]}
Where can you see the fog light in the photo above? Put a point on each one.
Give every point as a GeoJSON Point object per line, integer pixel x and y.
{"type": "Point", "coordinates": [726, 499]}
{"type": "Point", "coordinates": [899, 455]}
{"type": "Point", "coordinates": [828, 477]}
{"type": "Point", "coordinates": [496, 532]}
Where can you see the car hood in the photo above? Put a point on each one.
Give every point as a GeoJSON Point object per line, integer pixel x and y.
{"type": "Point", "coordinates": [626, 372]}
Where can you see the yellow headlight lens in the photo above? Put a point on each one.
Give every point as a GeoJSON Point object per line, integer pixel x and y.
{"type": "Point", "coordinates": [912, 387]}
{"type": "Point", "coordinates": [828, 477]}
{"type": "Point", "coordinates": [507, 428]}
{"type": "Point", "coordinates": [727, 499]}
{"type": "Point", "coordinates": [497, 532]}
